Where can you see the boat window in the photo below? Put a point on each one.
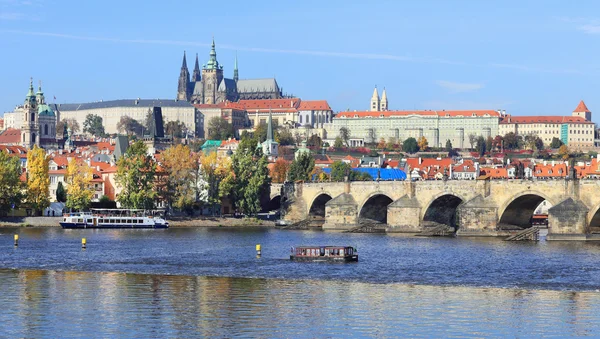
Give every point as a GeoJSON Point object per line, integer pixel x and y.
{"type": "Point", "coordinates": [123, 221]}
{"type": "Point", "coordinates": [342, 251]}
{"type": "Point", "coordinates": [79, 220]}
{"type": "Point", "coordinates": [322, 251]}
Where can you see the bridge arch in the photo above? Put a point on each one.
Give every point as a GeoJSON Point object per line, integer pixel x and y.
{"type": "Point", "coordinates": [594, 219]}
{"type": "Point", "coordinates": [518, 209]}
{"type": "Point", "coordinates": [441, 209]}
{"type": "Point", "coordinates": [316, 209]}
{"type": "Point", "coordinates": [374, 208]}
{"type": "Point", "coordinates": [274, 204]}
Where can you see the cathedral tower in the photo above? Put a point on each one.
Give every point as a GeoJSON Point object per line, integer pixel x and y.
{"type": "Point", "coordinates": [196, 75]}
{"type": "Point", "coordinates": [183, 92]}
{"type": "Point", "coordinates": [375, 103]}
{"type": "Point", "coordinates": [383, 105]}
{"type": "Point", "coordinates": [29, 127]}
{"type": "Point", "coordinates": [212, 75]}
{"type": "Point", "coordinates": [235, 70]}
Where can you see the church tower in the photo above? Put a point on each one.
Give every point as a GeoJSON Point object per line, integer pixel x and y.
{"type": "Point", "coordinates": [383, 105]}
{"type": "Point", "coordinates": [29, 127]}
{"type": "Point", "coordinates": [196, 75]}
{"type": "Point", "coordinates": [375, 103]}
{"type": "Point", "coordinates": [582, 111]}
{"type": "Point", "coordinates": [212, 75]}
{"type": "Point", "coordinates": [236, 76]}
{"type": "Point", "coordinates": [183, 92]}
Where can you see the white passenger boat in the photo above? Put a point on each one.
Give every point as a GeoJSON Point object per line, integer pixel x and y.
{"type": "Point", "coordinates": [114, 218]}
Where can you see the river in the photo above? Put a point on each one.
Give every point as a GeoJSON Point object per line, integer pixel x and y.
{"type": "Point", "coordinates": [199, 282]}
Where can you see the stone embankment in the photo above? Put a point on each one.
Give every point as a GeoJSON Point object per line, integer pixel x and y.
{"type": "Point", "coordinates": [30, 221]}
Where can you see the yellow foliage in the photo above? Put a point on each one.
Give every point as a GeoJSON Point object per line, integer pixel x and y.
{"type": "Point", "coordinates": [38, 180]}
{"type": "Point", "coordinates": [179, 164]}
{"type": "Point", "coordinates": [79, 185]}
{"type": "Point", "coordinates": [423, 143]}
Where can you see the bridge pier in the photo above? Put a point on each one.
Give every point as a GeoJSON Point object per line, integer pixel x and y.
{"type": "Point", "coordinates": [477, 217]}
{"type": "Point", "coordinates": [341, 213]}
{"type": "Point", "coordinates": [404, 215]}
{"type": "Point", "coordinates": [568, 221]}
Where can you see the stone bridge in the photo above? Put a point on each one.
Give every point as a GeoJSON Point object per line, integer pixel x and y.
{"type": "Point", "coordinates": [472, 207]}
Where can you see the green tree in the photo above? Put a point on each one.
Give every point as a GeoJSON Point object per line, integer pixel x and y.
{"type": "Point", "coordinates": [410, 145]}
{"type": "Point", "coordinates": [175, 129]}
{"type": "Point", "coordinates": [338, 143]}
{"type": "Point", "coordinates": [11, 187]}
{"type": "Point", "coordinates": [136, 174]}
{"type": "Point", "coordinates": [472, 140]}
{"type": "Point", "coordinates": [340, 169]}
{"type": "Point", "coordinates": [219, 129]}
{"type": "Point", "coordinates": [539, 143]}
{"type": "Point", "coordinates": [61, 194]}
{"type": "Point", "coordinates": [489, 143]}
{"type": "Point", "coordinates": [556, 143]}
{"type": "Point", "coordinates": [480, 145]}
{"type": "Point", "coordinates": [345, 135]}
{"type": "Point", "coordinates": [315, 141]}
{"type": "Point", "coordinates": [149, 123]}
{"type": "Point", "coordinates": [284, 137]}
{"type": "Point", "coordinates": [512, 141]}
{"type": "Point", "coordinates": [93, 125]}
{"type": "Point", "coordinates": [301, 168]}
{"type": "Point", "coordinates": [448, 145]}
{"type": "Point", "coordinates": [130, 126]}
{"type": "Point", "coordinates": [252, 182]}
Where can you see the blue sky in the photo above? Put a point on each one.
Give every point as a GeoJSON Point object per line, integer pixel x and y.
{"type": "Point", "coordinates": [540, 57]}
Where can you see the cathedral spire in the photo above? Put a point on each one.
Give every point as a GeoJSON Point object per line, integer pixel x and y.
{"type": "Point", "coordinates": [270, 127]}
{"type": "Point", "coordinates": [196, 75]}
{"type": "Point", "coordinates": [184, 64]}
{"type": "Point", "coordinates": [383, 105]}
{"type": "Point", "coordinates": [183, 85]}
{"type": "Point", "coordinates": [235, 69]}
{"type": "Point", "coordinates": [375, 103]}
{"type": "Point", "coordinates": [40, 95]}
{"type": "Point", "coordinates": [212, 61]}
{"type": "Point", "coordinates": [30, 93]}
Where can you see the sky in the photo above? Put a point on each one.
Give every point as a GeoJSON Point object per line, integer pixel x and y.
{"type": "Point", "coordinates": [526, 57]}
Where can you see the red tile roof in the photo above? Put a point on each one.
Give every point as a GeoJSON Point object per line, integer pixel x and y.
{"type": "Point", "coordinates": [548, 119]}
{"type": "Point", "coordinates": [385, 114]}
{"type": "Point", "coordinates": [317, 105]}
{"type": "Point", "coordinates": [581, 107]}
{"type": "Point", "coordinates": [270, 103]}
{"type": "Point", "coordinates": [558, 170]}
{"type": "Point", "coordinates": [10, 136]}
{"type": "Point", "coordinates": [14, 150]}
{"type": "Point", "coordinates": [429, 162]}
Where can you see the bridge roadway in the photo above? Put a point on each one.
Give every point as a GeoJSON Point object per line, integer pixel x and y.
{"type": "Point", "coordinates": [473, 207]}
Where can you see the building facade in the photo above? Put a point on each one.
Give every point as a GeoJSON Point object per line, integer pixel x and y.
{"type": "Point", "coordinates": [576, 131]}
{"type": "Point", "coordinates": [209, 86]}
{"type": "Point", "coordinates": [436, 126]}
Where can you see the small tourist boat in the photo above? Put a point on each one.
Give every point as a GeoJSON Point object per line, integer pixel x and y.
{"type": "Point", "coordinates": [324, 253]}
{"type": "Point", "coordinates": [114, 218]}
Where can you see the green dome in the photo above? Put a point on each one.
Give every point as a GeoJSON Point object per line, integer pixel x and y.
{"type": "Point", "coordinates": [45, 110]}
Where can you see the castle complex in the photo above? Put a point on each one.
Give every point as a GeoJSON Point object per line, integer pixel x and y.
{"type": "Point", "coordinates": [209, 86]}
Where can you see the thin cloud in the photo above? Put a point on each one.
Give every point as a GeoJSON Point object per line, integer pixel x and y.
{"type": "Point", "coordinates": [590, 28]}
{"type": "Point", "coordinates": [8, 16]}
{"type": "Point", "coordinates": [537, 70]}
{"type": "Point", "coordinates": [458, 87]}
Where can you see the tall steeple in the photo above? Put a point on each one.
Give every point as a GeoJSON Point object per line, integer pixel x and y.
{"type": "Point", "coordinates": [235, 69]}
{"type": "Point", "coordinates": [270, 127]}
{"type": "Point", "coordinates": [183, 92]}
{"type": "Point", "coordinates": [212, 61]}
{"type": "Point", "coordinates": [40, 95]}
{"type": "Point", "coordinates": [375, 103]}
{"type": "Point", "coordinates": [383, 105]}
{"type": "Point", "coordinates": [196, 75]}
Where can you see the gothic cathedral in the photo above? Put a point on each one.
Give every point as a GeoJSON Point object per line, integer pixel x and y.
{"type": "Point", "coordinates": [210, 87]}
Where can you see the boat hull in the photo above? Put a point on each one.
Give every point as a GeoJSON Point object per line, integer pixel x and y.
{"type": "Point", "coordinates": [348, 258]}
{"type": "Point", "coordinates": [71, 225]}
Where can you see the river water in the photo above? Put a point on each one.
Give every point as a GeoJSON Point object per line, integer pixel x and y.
{"type": "Point", "coordinates": [208, 282]}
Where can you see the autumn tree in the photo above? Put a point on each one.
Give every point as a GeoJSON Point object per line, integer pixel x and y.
{"type": "Point", "coordinates": [178, 162]}
{"type": "Point", "coordinates": [338, 143]}
{"type": "Point", "coordinates": [345, 135]}
{"type": "Point", "coordinates": [315, 141]}
{"type": "Point", "coordinates": [11, 187]}
{"type": "Point", "coordinates": [280, 170]}
{"type": "Point", "coordinates": [217, 174]}
{"type": "Point", "coordinates": [301, 167]}
{"type": "Point", "coordinates": [381, 144]}
{"type": "Point", "coordinates": [79, 190]}
{"type": "Point", "coordinates": [423, 144]}
{"type": "Point", "coordinates": [497, 143]}
{"type": "Point", "coordinates": [135, 175]}
{"type": "Point", "coordinates": [563, 151]}
{"type": "Point", "coordinates": [70, 123]}
{"type": "Point", "coordinates": [38, 180]}
{"type": "Point", "coordinates": [175, 129]}
{"type": "Point", "coordinates": [93, 125]}
{"type": "Point", "coordinates": [130, 126]}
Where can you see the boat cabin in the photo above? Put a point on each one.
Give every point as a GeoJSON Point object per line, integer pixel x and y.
{"type": "Point", "coordinates": [324, 253]}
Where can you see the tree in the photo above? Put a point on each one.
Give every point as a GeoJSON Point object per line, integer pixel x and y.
{"type": "Point", "coordinates": [136, 174]}
{"type": "Point", "coordinates": [178, 163]}
{"type": "Point", "coordinates": [410, 145]}
{"type": "Point", "coordinates": [61, 194]}
{"type": "Point", "coordinates": [340, 170]}
{"type": "Point", "coordinates": [217, 173]}
{"type": "Point", "coordinates": [423, 144]}
{"type": "Point", "coordinates": [284, 137]}
{"type": "Point", "coordinates": [301, 168]}
{"type": "Point", "coordinates": [219, 129]}
{"type": "Point", "coordinates": [381, 144]}
{"type": "Point", "coordinates": [71, 123]}
{"type": "Point", "coordinates": [338, 143]}
{"type": "Point", "coordinates": [345, 135]}
{"type": "Point", "coordinates": [497, 143]}
{"type": "Point", "coordinates": [149, 123]}
{"type": "Point", "coordinates": [539, 143]}
{"type": "Point", "coordinates": [130, 126]}
{"type": "Point", "coordinates": [280, 171]}
{"type": "Point", "coordinates": [563, 151]}
{"type": "Point", "coordinates": [11, 187]}
{"type": "Point", "coordinates": [38, 180]}
{"type": "Point", "coordinates": [175, 129]}
{"type": "Point", "coordinates": [93, 125]}
{"type": "Point", "coordinates": [512, 141]}
{"type": "Point", "coordinates": [251, 184]}
{"type": "Point", "coordinates": [489, 143]}
{"type": "Point", "coordinates": [556, 143]}
{"type": "Point", "coordinates": [315, 141]}
{"type": "Point", "coordinates": [448, 145]}
{"type": "Point", "coordinates": [480, 145]}
{"type": "Point", "coordinates": [79, 191]}
{"type": "Point", "coordinates": [472, 139]}
{"type": "Point", "coordinates": [260, 132]}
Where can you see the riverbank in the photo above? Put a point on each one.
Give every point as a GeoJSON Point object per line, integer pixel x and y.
{"type": "Point", "coordinates": [174, 222]}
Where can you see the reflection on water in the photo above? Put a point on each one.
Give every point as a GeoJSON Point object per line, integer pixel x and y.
{"type": "Point", "coordinates": [53, 304]}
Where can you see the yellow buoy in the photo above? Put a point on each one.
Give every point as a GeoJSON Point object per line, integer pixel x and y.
{"type": "Point", "coordinates": [83, 242]}
{"type": "Point", "coordinates": [258, 249]}
{"type": "Point", "coordinates": [16, 240]}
